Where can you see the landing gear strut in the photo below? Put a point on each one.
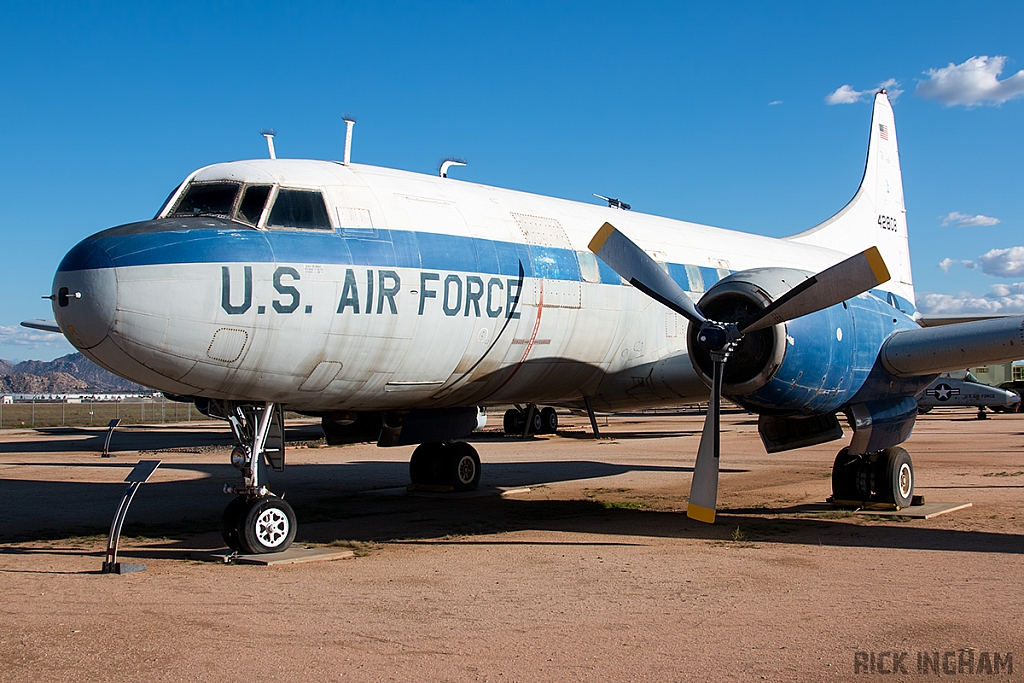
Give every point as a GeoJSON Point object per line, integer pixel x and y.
{"type": "Point", "coordinates": [256, 521]}
{"type": "Point", "coordinates": [454, 464]}
{"type": "Point", "coordinates": [886, 476]}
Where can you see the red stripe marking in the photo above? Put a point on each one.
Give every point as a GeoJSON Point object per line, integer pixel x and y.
{"type": "Point", "coordinates": [533, 338]}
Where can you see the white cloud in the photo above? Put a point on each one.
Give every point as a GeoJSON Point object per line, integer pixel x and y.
{"type": "Point", "coordinates": [1003, 299]}
{"type": "Point", "coordinates": [845, 94]}
{"type": "Point", "coordinates": [965, 302]}
{"type": "Point", "coordinates": [963, 220]}
{"type": "Point", "coordinates": [1003, 262]}
{"type": "Point", "coordinates": [774, 102]}
{"type": "Point", "coordinates": [23, 336]}
{"type": "Point", "coordinates": [971, 83]}
{"type": "Point", "coordinates": [947, 262]}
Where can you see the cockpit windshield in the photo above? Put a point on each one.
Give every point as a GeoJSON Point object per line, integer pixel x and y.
{"type": "Point", "coordinates": [217, 199]}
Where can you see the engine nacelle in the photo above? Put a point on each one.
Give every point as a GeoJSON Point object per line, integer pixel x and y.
{"type": "Point", "coordinates": [815, 364]}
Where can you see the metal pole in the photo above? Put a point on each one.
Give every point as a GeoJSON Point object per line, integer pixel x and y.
{"type": "Point", "coordinates": [33, 411]}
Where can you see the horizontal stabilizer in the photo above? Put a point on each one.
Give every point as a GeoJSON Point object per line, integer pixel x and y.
{"type": "Point", "coordinates": [44, 325]}
{"type": "Point", "coordinates": [931, 350]}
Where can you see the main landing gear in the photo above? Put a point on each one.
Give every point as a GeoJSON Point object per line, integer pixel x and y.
{"type": "Point", "coordinates": [454, 464]}
{"type": "Point", "coordinates": [542, 421]}
{"type": "Point", "coordinates": [256, 521]}
{"type": "Point", "coordinates": [885, 477]}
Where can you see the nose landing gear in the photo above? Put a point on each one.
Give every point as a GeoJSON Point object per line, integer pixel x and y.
{"type": "Point", "coordinates": [256, 521]}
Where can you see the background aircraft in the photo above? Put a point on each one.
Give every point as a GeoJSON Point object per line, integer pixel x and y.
{"type": "Point", "coordinates": [393, 304]}
{"type": "Point", "coordinates": [951, 390]}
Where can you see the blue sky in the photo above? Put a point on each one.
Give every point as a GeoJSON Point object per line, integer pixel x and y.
{"type": "Point", "coordinates": [716, 114]}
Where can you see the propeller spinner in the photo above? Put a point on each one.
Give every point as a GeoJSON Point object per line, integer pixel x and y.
{"type": "Point", "coordinates": [843, 281]}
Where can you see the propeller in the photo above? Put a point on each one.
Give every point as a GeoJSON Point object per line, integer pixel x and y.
{"type": "Point", "coordinates": [843, 281]}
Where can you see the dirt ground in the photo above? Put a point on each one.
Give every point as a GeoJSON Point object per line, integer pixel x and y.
{"type": "Point", "coordinates": [595, 573]}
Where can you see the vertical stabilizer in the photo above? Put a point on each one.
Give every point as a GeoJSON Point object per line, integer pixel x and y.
{"type": "Point", "coordinates": [876, 216]}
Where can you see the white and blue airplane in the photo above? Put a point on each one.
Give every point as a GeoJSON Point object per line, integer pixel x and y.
{"type": "Point", "coordinates": [395, 304]}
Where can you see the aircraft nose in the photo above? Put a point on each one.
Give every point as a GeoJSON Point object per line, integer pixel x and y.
{"type": "Point", "coordinates": [84, 294]}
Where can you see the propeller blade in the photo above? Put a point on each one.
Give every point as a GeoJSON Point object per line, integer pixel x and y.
{"type": "Point", "coordinates": [843, 281]}
{"type": "Point", "coordinates": [704, 489]}
{"type": "Point", "coordinates": [638, 269]}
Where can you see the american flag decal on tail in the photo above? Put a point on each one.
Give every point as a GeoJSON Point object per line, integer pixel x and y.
{"type": "Point", "coordinates": [883, 131]}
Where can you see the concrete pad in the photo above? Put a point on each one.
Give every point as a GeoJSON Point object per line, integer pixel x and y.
{"type": "Point", "coordinates": [446, 492]}
{"type": "Point", "coordinates": [291, 556]}
{"type": "Point", "coordinates": [926, 511]}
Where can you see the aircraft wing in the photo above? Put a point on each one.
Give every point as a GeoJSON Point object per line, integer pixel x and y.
{"type": "Point", "coordinates": [44, 325]}
{"type": "Point", "coordinates": [939, 319]}
{"type": "Point", "coordinates": [931, 350]}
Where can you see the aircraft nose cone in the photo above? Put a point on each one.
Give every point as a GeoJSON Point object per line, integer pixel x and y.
{"type": "Point", "coordinates": [85, 294]}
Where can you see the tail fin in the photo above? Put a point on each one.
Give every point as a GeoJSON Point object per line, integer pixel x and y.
{"type": "Point", "coordinates": [876, 216]}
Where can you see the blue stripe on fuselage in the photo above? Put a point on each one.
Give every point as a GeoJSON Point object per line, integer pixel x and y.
{"type": "Point", "coordinates": [388, 248]}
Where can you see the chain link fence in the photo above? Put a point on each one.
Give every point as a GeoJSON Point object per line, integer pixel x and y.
{"type": "Point", "coordinates": [39, 413]}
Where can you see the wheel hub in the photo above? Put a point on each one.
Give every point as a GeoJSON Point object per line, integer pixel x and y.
{"type": "Point", "coordinates": [466, 469]}
{"type": "Point", "coordinates": [272, 527]}
{"type": "Point", "coordinates": [906, 480]}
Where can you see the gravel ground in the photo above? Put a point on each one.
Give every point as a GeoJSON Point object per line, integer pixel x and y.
{"type": "Point", "coordinates": [595, 573]}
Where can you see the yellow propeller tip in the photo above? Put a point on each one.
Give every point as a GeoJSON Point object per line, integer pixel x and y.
{"type": "Point", "coordinates": [877, 264]}
{"type": "Point", "coordinates": [601, 237]}
{"type": "Point", "coordinates": [701, 514]}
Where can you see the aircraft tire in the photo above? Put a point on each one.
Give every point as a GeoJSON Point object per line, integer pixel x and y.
{"type": "Point", "coordinates": [846, 477]}
{"type": "Point", "coordinates": [896, 476]}
{"type": "Point", "coordinates": [537, 423]}
{"type": "Point", "coordinates": [229, 522]}
{"type": "Point", "coordinates": [427, 463]}
{"type": "Point", "coordinates": [267, 525]}
{"type": "Point", "coordinates": [462, 466]}
{"type": "Point", "coordinates": [549, 420]}
{"type": "Point", "coordinates": [513, 417]}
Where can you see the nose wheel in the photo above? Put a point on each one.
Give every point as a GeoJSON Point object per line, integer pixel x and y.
{"type": "Point", "coordinates": [259, 525]}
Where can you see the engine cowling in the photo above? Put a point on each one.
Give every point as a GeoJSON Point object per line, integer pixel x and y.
{"type": "Point", "coordinates": [814, 364]}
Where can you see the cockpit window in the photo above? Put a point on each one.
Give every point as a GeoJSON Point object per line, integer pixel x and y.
{"type": "Point", "coordinates": [251, 208]}
{"type": "Point", "coordinates": [208, 198]}
{"type": "Point", "coordinates": [303, 209]}
{"type": "Point", "coordinates": [167, 201]}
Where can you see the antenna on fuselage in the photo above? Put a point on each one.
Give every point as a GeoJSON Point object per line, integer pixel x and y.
{"type": "Point", "coordinates": [448, 163]}
{"type": "Point", "coordinates": [614, 202]}
{"type": "Point", "coordinates": [349, 122]}
{"type": "Point", "coordinates": [269, 134]}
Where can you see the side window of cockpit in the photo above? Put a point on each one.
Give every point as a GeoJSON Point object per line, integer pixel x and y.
{"type": "Point", "coordinates": [253, 201]}
{"type": "Point", "coordinates": [217, 199]}
{"type": "Point", "coordinates": [167, 201]}
{"type": "Point", "coordinates": [302, 209]}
